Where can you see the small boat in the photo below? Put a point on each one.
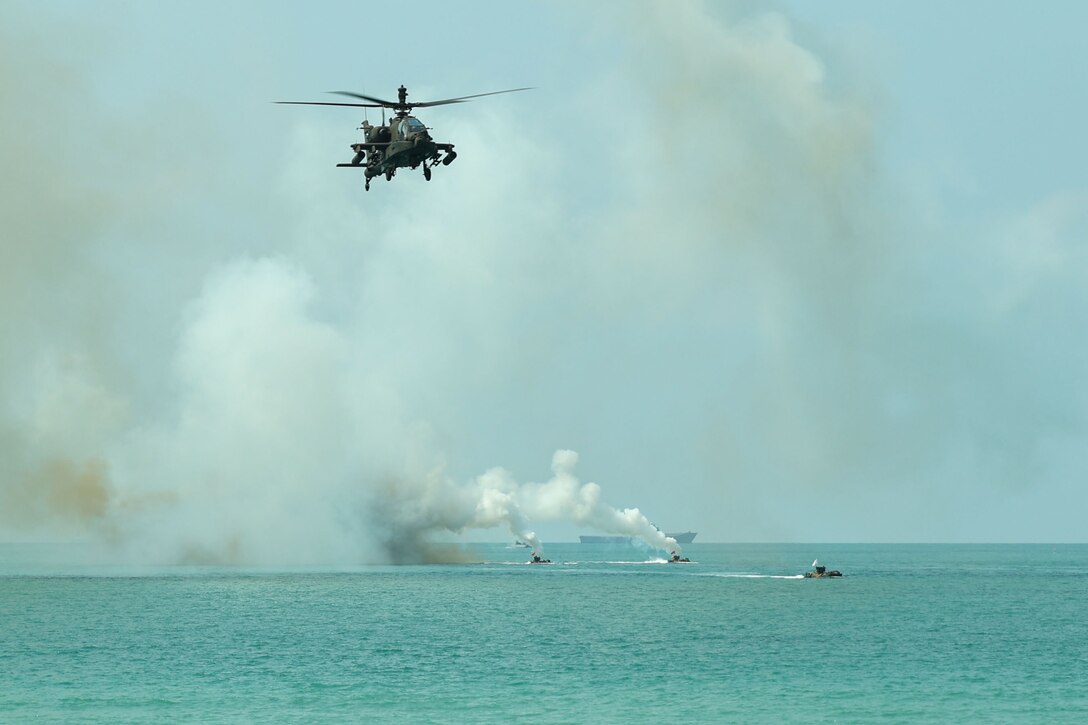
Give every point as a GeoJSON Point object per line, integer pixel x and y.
{"type": "Point", "coordinates": [539, 560]}
{"type": "Point", "coordinates": [821, 572]}
{"type": "Point", "coordinates": [677, 559]}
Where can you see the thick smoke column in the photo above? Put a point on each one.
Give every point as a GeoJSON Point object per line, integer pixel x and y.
{"type": "Point", "coordinates": [410, 513]}
{"type": "Point", "coordinates": [565, 498]}
{"type": "Point", "coordinates": [488, 502]}
{"type": "Point", "coordinates": [228, 356]}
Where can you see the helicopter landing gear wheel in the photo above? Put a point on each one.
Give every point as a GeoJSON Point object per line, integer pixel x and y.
{"type": "Point", "coordinates": [389, 175]}
{"type": "Point", "coordinates": [427, 173]}
{"type": "Point", "coordinates": [367, 185]}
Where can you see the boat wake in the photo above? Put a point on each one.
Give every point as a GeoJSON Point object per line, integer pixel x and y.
{"type": "Point", "coordinates": [752, 576]}
{"type": "Point", "coordinates": [528, 563]}
{"type": "Point", "coordinates": [632, 563]}
{"type": "Point", "coordinates": [648, 562]}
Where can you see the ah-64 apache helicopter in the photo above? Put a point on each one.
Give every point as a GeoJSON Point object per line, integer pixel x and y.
{"type": "Point", "coordinates": [404, 142]}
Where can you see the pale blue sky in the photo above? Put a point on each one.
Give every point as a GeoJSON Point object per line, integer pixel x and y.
{"type": "Point", "coordinates": [777, 271]}
{"type": "Point", "coordinates": [993, 90]}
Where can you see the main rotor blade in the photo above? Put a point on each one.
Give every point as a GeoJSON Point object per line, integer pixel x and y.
{"type": "Point", "coordinates": [365, 98]}
{"type": "Point", "coordinates": [379, 103]}
{"type": "Point", "coordinates": [462, 99]}
{"type": "Point", "coordinates": [315, 103]}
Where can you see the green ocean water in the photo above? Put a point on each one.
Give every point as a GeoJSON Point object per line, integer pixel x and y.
{"type": "Point", "coordinates": [606, 634]}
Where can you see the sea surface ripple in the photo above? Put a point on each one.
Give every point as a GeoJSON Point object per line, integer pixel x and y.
{"type": "Point", "coordinates": [606, 634]}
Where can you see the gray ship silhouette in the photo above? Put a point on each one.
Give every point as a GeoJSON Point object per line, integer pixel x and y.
{"type": "Point", "coordinates": [685, 537]}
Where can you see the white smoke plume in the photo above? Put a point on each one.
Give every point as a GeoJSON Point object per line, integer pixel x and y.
{"type": "Point", "coordinates": [225, 351]}
{"type": "Point", "coordinates": [564, 498]}
{"type": "Point", "coordinates": [410, 511]}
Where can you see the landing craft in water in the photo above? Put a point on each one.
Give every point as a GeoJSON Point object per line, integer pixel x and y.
{"type": "Point", "coordinates": [821, 572]}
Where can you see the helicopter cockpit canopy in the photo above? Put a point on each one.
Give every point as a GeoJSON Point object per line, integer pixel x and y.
{"type": "Point", "coordinates": [411, 125]}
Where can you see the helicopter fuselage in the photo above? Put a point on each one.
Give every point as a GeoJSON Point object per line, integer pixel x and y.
{"type": "Point", "coordinates": [404, 143]}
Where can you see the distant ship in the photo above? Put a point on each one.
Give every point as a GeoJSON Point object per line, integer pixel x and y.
{"type": "Point", "coordinates": [683, 538]}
